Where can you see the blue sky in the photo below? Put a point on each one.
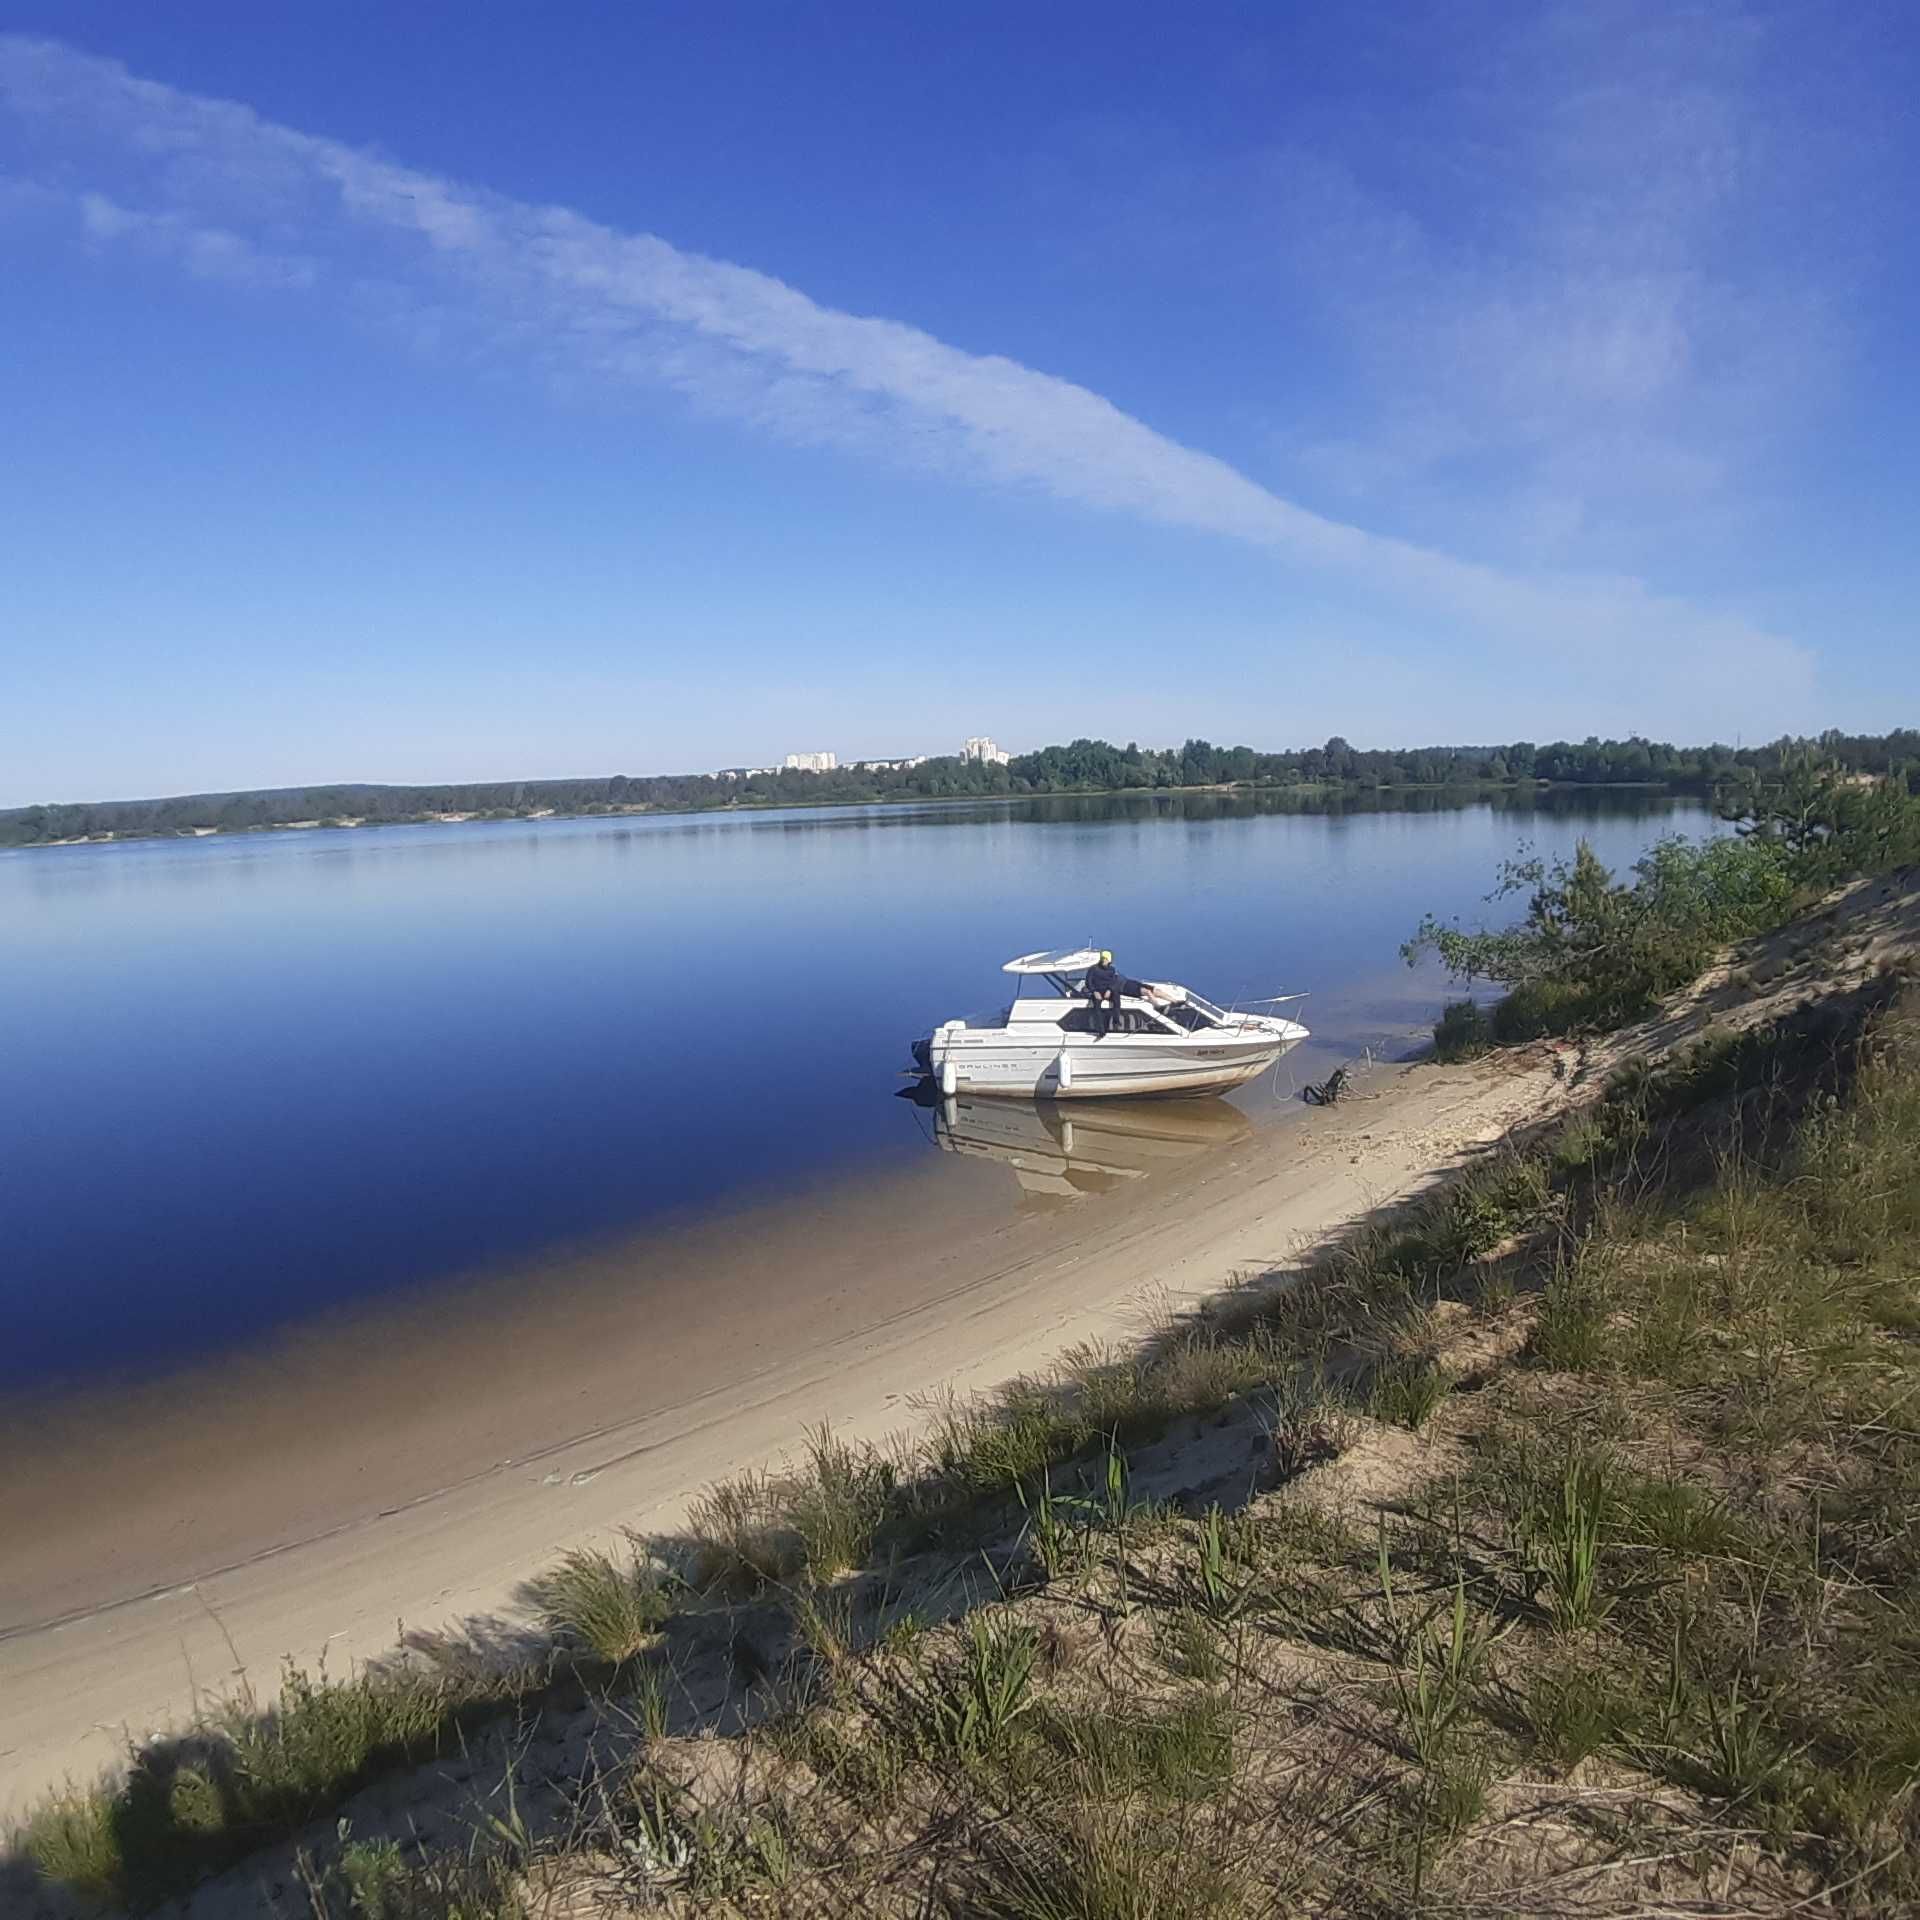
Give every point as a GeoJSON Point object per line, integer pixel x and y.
{"type": "Point", "coordinates": [440, 392]}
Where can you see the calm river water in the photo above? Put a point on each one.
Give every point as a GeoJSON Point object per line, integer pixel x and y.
{"type": "Point", "coordinates": [249, 1083]}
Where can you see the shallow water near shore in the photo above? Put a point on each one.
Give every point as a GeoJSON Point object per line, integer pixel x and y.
{"type": "Point", "coordinates": [260, 1085]}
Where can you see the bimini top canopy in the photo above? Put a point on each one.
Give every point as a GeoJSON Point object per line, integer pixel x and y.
{"type": "Point", "coordinates": [1069, 960]}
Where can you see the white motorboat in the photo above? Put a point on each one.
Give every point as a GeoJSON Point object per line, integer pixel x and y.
{"type": "Point", "coordinates": [1058, 1046]}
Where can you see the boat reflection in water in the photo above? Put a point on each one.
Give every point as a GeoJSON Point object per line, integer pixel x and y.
{"type": "Point", "coordinates": [1061, 1154]}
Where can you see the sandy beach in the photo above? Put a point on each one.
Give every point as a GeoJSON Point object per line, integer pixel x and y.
{"type": "Point", "coordinates": [165, 1547]}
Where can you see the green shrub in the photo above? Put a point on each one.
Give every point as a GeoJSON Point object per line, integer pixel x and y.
{"type": "Point", "coordinates": [1592, 951]}
{"type": "Point", "coordinates": [1538, 1008]}
{"type": "Point", "coordinates": [73, 1840]}
{"type": "Point", "coordinates": [1464, 1031]}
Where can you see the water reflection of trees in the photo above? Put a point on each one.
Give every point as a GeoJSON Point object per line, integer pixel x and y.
{"type": "Point", "coordinates": [1556, 803]}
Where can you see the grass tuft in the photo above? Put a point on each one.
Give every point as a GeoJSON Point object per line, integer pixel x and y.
{"type": "Point", "coordinates": [1572, 1712]}
{"type": "Point", "coordinates": [835, 1506]}
{"type": "Point", "coordinates": [1570, 1334]}
{"type": "Point", "coordinates": [1566, 1532]}
{"type": "Point", "coordinates": [591, 1600]}
{"type": "Point", "coordinates": [979, 1697]}
{"type": "Point", "coordinates": [1093, 1861]}
{"type": "Point", "coordinates": [72, 1839]}
{"type": "Point", "coordinates": [1184, 1752]}
{"type": "Point", "coordinates": [1407, 1390]}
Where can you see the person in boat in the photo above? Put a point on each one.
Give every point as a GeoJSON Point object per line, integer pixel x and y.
{"type": "Point", "coordinates": [1106, 986]}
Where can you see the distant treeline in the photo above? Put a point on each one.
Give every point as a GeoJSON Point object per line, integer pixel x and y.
{"type": "Point", "coordinates": [1083, 766]}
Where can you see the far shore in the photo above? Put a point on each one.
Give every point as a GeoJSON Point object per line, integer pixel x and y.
{"type": "Point", "coordinates": [647, 810]}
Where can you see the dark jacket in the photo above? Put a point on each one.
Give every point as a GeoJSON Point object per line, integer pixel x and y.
{"type": "Point", "coordinates": [1103, 980]}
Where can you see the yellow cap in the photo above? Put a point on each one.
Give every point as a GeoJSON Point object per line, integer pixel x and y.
{"type": "Point", "coordinates": [1106, 959]}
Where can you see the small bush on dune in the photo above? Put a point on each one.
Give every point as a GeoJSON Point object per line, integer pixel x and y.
{"type": "Point", "coordinates": [1464, 1031]}
{"type": "Point", "coordinates": [595, 1602]}
{"type": "Point", "coordinates": [836, 1504]}
{"type": "Point", "coordinates": [292, 1761]}
{"type": "Point", "coordinates": [1581, 1142]}
{"type": "Point", "coordinates": [1190, 1644]}
{"type": "Point", "coordinates": [188, 1807]}
{"type": "Point", "coordinates": [1570, 1334]}
{"type": "Point", "coordinates": [1566, 1535]}
{"type": "Point", "coordinates": [740, 1536]}
{"type": "Point", "coordinates": [73, 1841]}
{"type": "Point", "coordinates": [379, 1880]}
{"type": "Point", "coordinates": [1673, 1516]}
{"type": "Point", "coordinates": [1539, 1009]}
{"type": "Point", "coordinates": [764, 1529]}
{"type": "Point", "coordinates": [1487, 1207]}
{"type": "Point", "coordinates": [1571, 1712]}
{"type": "Point", "coordinates": [1437, 1670]}
{"type": "Point", "coordinates": [995, 1447]}
{"type": "Point", "coordinates": [1592, 952]}
{"type": "Point", "coordinates": [1202, 1374]}
{"type": "Point", "coordinates": [1860, 1160]}
{"type": "Point", "coordinates": [1107, 1383]}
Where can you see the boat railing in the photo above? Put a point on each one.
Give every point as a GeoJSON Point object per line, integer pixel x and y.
{"type": "Point", "coordinates": [1247, 1004]}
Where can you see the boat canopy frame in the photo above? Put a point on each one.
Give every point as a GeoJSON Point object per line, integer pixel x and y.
{"type": "Point", "coordinates": [1064, 969]}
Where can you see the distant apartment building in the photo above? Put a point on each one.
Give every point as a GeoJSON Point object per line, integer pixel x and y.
{"type": "Point", "coordinates": [905, 765]}
{"type": "Point", "coordinates": [982, 749]}
{"type": "Point", "coordinates": [811, 762]}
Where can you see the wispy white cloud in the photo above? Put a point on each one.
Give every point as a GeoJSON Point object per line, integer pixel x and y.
{"type": "Point", "coordinates": [1569, 296]}
{"type": "Point", "coordinates": [208, 253]}
{"type": "Point", "coordinates": [231, 194]}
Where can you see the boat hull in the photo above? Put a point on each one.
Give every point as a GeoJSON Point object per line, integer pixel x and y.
{"type": "Point", "coordinates": [1082, 1067]}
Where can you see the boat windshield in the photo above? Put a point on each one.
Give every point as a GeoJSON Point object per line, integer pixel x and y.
{"type": "Point", "coordinates": [1193, 1013]}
